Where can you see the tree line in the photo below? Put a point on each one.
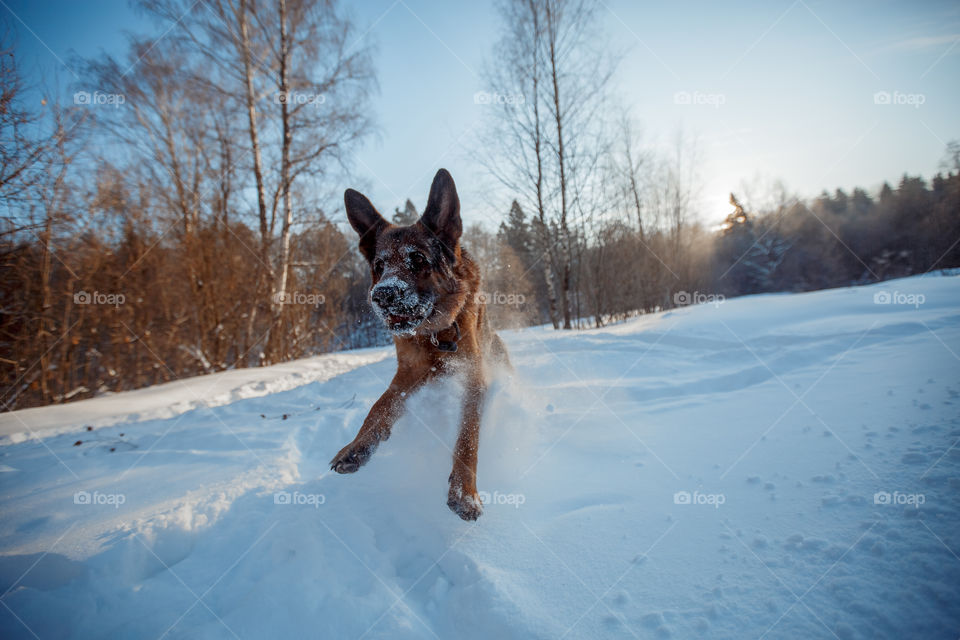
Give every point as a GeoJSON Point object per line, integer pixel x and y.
{"type": "Point", "coordinates": [172, 216]}
{"type": "Point", "coordinates": [168, 218]}
{"type": "Point", "coordinates": [624, 268]}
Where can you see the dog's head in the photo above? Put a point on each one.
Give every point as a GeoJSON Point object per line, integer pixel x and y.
{"type": "Point", "coordinates": [415, 287]}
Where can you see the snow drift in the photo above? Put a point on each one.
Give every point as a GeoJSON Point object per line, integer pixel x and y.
{"type": "Point", "coordinates": [777, 466]}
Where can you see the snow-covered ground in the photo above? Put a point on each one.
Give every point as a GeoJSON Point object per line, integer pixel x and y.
{"type": "Point", "coordinates": [778, 466]}
{"type": "Point", "coordinates": [169, 399]}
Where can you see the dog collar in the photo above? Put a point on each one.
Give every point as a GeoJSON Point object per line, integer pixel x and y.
{"type": "Point", "coordinates": [446, 345]}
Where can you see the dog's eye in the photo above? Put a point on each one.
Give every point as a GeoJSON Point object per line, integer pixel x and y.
{"type": "Point", "coordinates": [378, 267]}
{"type": "Point", "coordinates": [417, 260]}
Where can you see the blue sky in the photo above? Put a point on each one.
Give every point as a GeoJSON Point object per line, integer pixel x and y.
{"type": "Point", "coordinates": [779, 89]}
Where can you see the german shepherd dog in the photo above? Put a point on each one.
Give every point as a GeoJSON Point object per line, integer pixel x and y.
{"type": "Point", "coordinates": [424, 288]}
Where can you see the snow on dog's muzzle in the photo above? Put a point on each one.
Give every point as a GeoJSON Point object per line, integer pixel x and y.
{"type": "Point", "coordinates": [399, 305]}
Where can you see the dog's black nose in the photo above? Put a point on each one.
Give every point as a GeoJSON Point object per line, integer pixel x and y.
{"type": "Point", "coordinates": [385, 295]}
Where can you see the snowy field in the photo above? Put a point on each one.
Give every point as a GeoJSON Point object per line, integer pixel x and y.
{"type": "Point", "coordinates": [776, 466]}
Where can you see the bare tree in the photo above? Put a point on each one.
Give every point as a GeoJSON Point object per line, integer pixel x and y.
{"type": "Point", "coordinates": [546, 136]}
{"type": "Point", "coordinates": [514, 148]}
{"type": "Point", "coordinates": [671, 198]}
{"type": "Point", "coordinates": [304, 80]}
{"type": "Point", "coordinates": [37, 154]}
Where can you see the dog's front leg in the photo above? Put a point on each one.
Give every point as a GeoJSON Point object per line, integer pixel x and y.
{"type": "Point", "coordinates": [376, 428]}
{"type": "Point", "coordinates": [462, 497]}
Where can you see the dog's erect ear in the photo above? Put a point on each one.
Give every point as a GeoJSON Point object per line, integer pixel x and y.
{"type": "Point", "coordinates": [365, 220]}
{"type": "Point", "coordinates": [442, 215]}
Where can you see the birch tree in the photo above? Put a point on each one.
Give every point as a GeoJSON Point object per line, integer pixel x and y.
{"type": "Point", "coordinates": [303, 75]}
{"type": "Point", "coordinates": [548, 83]}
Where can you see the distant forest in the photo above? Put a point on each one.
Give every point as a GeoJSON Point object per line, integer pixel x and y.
{"type": "Point", "coordinates": [836, 240]}
{"type": "Point", "coordinates": [177, 220]}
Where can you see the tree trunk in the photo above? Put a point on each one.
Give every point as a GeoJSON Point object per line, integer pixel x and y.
{"type": "Point", "coordinates": [283, 266]}
{"type": "Point", "coordinates": [561, 165]}
{"type": "Point", "coordinates": [250, 96]}
{"type": "Point", "coordinates": [42, 332]}
{"type": "Point", "coordinates": [547, 247]}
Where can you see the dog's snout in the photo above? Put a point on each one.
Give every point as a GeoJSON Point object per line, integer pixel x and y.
{"type": "Point", "coordinates": [385, 295]}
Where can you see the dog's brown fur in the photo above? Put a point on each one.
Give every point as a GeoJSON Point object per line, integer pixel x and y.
{"type": "Point", "coordinates": [450, 280]}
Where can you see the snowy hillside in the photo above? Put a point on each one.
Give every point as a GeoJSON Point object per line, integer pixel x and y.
{"type": "Point", "coordinates": [778, 466]}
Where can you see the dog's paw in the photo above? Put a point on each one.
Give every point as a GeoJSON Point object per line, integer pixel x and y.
{"type": "Point", "coordinates": [465, 505]}
{"type": "Point", "coordinates": [351, 458]}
